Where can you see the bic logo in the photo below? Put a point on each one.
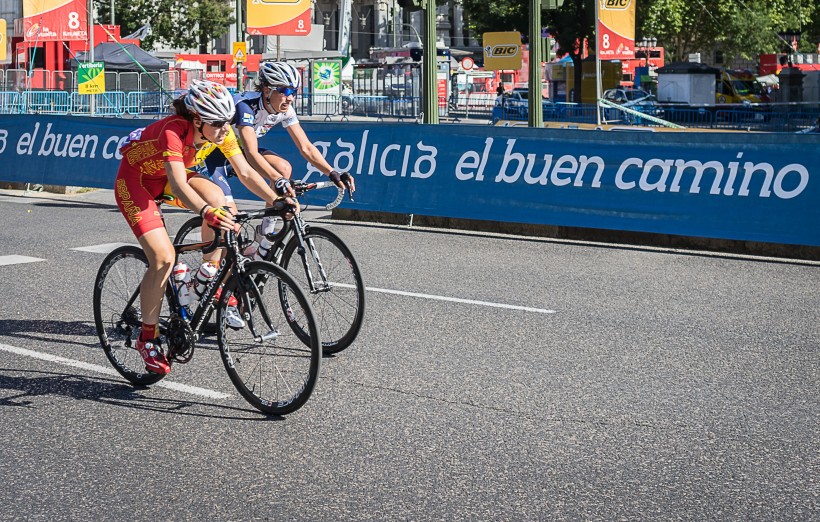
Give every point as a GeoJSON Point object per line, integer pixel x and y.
{"type": "Point", "coordinates": [616, 4]}
{"type": "Point", "coordinates": [501, 51]}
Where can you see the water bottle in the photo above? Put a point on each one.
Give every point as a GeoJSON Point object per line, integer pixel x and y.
{"type": "Point", "coordinates": [268, 228]}
{"type": "Point", "coordinates": [262, 249]}
{"type": "Point", "coordinates": [206, 272]}
{"type": "Point", "coordinates": [182, 278]}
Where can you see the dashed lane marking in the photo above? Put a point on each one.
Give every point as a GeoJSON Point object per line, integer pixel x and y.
{"type": "Point", "coordinates": [16, 260]}
{"type": "Point", "coordinates": [453, 299]}
{"type": "Point", "coordinates": [193, 390]}
{"type": "Point", "coordinates": [104, 248]}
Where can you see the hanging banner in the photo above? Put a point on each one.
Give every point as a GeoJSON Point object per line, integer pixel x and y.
{"type": "Point", "coordinates": [91, 78]}
{"type": "Point", "coordinates": [345, 23]}
{"type": "Point", "coordinates": [3, 40]}
{"type": "Point", "coordinates": [54, 20]}
{"type": "Point", "coordinates": [502, 51]}
{"type": "Point", "coordinates": [616, 29]}
{"type": "Point", "coordinates": [278, 17]}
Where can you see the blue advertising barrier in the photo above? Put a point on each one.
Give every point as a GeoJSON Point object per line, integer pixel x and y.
{"type": "Point", "coordinates": [740, 186]}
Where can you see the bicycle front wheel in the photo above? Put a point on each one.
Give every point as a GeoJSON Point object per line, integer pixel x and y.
{"type": "Point", "coordinates": [337, 291]}
{"type": "Point", "coordinates": [117, 314]}
{"type": "Point", "coordinates": [271, 367]}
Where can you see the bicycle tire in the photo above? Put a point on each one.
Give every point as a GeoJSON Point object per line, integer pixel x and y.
{"type": "Point", "coordinates": [276, 376]}
{"type": "Point", "coordinates": [118, 277]}
{"type": "Point", "coordinates": [339, 310]}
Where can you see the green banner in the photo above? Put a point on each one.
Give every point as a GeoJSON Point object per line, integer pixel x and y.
{"type": "Point", "coordinates": [91, 78]}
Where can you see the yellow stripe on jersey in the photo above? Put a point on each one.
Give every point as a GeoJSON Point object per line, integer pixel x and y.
{"type": "Point", "coordinates": [230, 147]}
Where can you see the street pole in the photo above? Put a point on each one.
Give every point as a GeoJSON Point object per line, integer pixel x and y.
{"type": "Point", "coordinates": [92, 99]}
{"type": "Point", "coordinates": [598, 92]}
{"type": "Point", "coordinates": [240, 37]}
{"type": "Point", "coordinates": [536, 111]}
{"type": "Point", "coordinates": [112, 12]}
{"type": "Point", "coordinates": [429, 65]}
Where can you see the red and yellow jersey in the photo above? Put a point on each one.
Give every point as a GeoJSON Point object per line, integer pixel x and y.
{"type": "Point", "coordinates": [169, 140]}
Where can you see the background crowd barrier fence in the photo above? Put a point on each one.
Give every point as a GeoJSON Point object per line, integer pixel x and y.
{"type": "Point", "coordinates": [687, 184]}
{"type": "Point", "coordinates": [46, 102]}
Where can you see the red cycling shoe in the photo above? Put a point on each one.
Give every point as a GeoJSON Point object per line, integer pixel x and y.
{"type": "Point", "coordinates": [155, 361]}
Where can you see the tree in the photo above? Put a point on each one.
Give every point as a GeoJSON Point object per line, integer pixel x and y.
{"type": "Point", "coordinates": [180, 25]}
{"type": "Point", "coordinates": [573, 24]}
{"type": "Point", "coordinates": [741, 28]}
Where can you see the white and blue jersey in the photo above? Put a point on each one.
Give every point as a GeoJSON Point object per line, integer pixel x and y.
{"type": "Point", "coordinates": [250, 112]}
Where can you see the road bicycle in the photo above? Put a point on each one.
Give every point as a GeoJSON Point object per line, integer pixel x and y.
{"type": "Point", "coordinates": [320, 262]}
{"type": "Point", "coordinates": [273, 361]}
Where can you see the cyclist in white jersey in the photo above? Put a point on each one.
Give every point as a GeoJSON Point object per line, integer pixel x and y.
{"type": "Point", "coordinates": [256, 113]}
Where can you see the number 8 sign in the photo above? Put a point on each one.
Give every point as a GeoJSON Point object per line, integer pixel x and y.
{"type": "Point", "coordinates": [54, 20]}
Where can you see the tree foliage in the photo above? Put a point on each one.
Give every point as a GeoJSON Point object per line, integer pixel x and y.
{"type": "Point", "coordinates": [179, 25]}
{"type": "Point", "coordinates": [742, 29]}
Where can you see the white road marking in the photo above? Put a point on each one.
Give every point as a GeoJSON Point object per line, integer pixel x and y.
{"type": "Point", "coordinates": [108, 247]}
{"type": "Point", "coordinates": [104, 248]}
{"type": "Point", "coordinates": [15, 260]}
{"type": "Point", "coordinates": [193, 390]}
{"type": "Point", "coordinates": [453, 299]}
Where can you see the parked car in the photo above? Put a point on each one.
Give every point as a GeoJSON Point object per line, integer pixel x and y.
{"type": "Point", "coordinates": [636, 99]}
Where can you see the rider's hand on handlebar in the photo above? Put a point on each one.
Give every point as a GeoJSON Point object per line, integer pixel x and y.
{"type": "Point", "coordinates": [288, 206]}
{"type": "Point", "coordinates": [282, 187]}
{"type": "Point", "coordinates": [342, 180]}
{"type": "Point", "coordinates": [219, 218]}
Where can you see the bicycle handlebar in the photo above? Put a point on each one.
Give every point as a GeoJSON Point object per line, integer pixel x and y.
{"type": "Point", "coordinates": [300, 187]}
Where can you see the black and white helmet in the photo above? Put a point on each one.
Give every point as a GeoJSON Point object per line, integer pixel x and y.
{"type": "Point", "coordinates": [210, 101]}
{"type": "Point", "coordinates": [279, 74]}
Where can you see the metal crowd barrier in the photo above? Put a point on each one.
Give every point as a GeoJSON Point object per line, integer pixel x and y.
{"type": "Point", "coordinates": [46, 102]}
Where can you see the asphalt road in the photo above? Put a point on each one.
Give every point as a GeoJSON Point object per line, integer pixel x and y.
{"type": "Point", "coordinates": [635, 384]}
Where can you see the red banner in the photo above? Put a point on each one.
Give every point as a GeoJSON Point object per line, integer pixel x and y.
{"type": "Point", "coordinates": [54, 20]}
{"type": "Point", "coordinates": [616, 29]}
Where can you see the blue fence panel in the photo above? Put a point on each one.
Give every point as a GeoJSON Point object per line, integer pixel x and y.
{"type": "Point", "coordinates": [405, 107]}
{"type": "Point", "coordinates": [10, 102]}
{"type": "Point", "coordinates": [105, 104]}
{"type": "Point", "coordinates": [46, 102]}
{"type": "Point", "coordinates": [150, 102]}
{"type": "Point", "coordinates": [320, 104]}
{"type": "Point", "coordinates": [701, 117]}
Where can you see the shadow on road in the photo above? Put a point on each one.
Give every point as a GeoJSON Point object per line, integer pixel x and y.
{"type": "Point", "coordinates": [29, 385]}
{"type": "Point", "coordinates": [63, 332]}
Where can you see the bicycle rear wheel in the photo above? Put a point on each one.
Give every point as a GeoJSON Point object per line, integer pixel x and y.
{"type": "Point", "coordinates": [117, 314]}
{"type": "Point", "coordinates": [272, 368]}
{"type": "Point", "coordinates": [339, 300]}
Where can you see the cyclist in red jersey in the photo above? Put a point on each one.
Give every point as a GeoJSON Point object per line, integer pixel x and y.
{"type": "Point", "coordinates": [155, 159]}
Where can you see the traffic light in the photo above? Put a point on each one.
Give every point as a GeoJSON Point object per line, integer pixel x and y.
{"type": "Point", "coordinates": [411, 5]}
{"type": "Point", "coordinates": [416, 53]}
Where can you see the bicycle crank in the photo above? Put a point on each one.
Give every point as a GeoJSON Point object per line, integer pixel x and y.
{"type": "Point", "coordinates": [181, 340]}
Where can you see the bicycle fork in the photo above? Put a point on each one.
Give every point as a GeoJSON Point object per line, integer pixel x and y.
{"type": "Point", "coordinates": [307, 244]}
{"type": "Point", "coordinates": [247, 287]}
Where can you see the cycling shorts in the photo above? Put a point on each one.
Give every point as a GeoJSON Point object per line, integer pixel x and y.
{"type": "Point", "coordinates": [137, 199]}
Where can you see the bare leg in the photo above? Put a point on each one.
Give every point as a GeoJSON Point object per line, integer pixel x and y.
{"type": "Point", "coordinates": [160, 253]}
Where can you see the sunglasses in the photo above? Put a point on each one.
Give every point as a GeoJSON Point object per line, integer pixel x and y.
{"type": "Point", "coordinates": [218, 124]}
{"type": "Point", "coordinates": [287, 91]}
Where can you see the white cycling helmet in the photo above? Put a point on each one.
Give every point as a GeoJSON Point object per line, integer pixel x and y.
{"type": "Point", "coordinates": [279, 74]}
{"type": "Point", "coordinates": [210, 101]}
